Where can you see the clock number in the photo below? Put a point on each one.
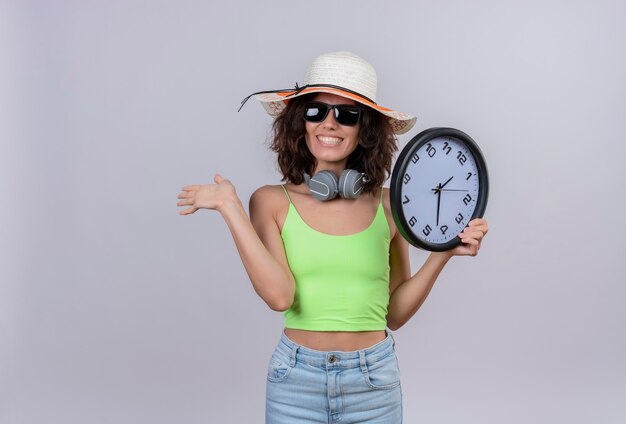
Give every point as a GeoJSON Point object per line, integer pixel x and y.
{"type": "Point", "coordinates": [461, 157]}
{"type": "Point", "coordinates": [467, 199]}
{"type": "Point", "coordinates": [447, 148]}
{"type": "Point", "coordinates": [443, 229]}
{"type": "Point", "coordinates": [430, 150]}
{"type": "Point", "coordinates": [469, 174]}
{"type": "Point", "coordinates": [404, 202]}
{"type": "Point", "coordinates": [459, 218]}
{"type": "Point", "coordinates": [412, 221]}
{"type": "Point", "coordinates": [415, 158]}
{"type": "Point", "coordinates": [407, 178]}
{"type": "Point", "coordinates": [427, 230]}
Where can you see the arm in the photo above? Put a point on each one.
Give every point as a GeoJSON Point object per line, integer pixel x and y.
{"type": "Point", "coordinates": [258, 239]}
{"type": "Point", "coordinates": [408, 294]}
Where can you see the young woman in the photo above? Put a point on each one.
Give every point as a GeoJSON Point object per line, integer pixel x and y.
{"type": "Point", "coordinates": [335, 264]}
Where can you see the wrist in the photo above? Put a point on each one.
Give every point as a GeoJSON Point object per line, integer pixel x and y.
{"type": "Point", "coordinates": [442, 256]}
{"type": "Point", "coordinates": [230, 206]}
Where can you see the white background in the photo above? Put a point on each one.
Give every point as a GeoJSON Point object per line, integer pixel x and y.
{"type": "Point", "coordinates": [115, 309]}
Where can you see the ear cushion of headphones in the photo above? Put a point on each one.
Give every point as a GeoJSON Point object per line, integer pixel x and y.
{"type": "Point", "coordinates": [323, 185]}
{"type": "Point", "coordinates": [350, 184]}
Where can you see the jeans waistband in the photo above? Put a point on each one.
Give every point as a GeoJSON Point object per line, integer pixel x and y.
{"type": "Point", "coordinates": [337, 359]}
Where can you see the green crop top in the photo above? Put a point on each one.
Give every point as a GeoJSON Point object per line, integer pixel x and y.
{"type": "Point", "coordinates": [342, 282]}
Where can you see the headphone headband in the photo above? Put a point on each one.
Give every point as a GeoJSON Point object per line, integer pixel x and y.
{"type": "Point", "coordinates": [325, 186]}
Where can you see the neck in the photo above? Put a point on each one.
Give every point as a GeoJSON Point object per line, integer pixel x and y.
{"type": "Point", "coordinates": [335, 167]}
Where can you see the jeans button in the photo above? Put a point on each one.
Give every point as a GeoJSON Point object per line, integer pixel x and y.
{"type": "Point", "coordinates": [332, 359]}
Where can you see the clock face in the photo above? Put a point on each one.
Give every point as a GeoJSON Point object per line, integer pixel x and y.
{"type": "Point", "coordinates": [438, 185]}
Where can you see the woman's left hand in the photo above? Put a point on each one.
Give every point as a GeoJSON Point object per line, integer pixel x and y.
{"type": "Point", "coordinates": [471, 238]}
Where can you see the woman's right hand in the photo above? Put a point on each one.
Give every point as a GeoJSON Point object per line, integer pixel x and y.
{"type": "Point", "coordinates": [207, 196]}
{"type": "Point", "coordinates": [263, 257]}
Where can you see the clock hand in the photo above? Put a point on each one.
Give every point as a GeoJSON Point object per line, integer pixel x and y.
{"type": "Point", "coordinates": [444, 184]}
{"type": "Point", "coordinates": [438, 203]}
{"type": "Point", "coordinates": [441, 186]}
{"type": "Point", "coordinates": [450, 189]}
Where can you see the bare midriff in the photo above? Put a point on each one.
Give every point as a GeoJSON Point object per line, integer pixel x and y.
{"type": "Point", "coordinates": [345, 341]}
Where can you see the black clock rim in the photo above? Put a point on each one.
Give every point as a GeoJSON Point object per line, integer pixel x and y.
{"type": "Point", "coordinates": [395, 187]}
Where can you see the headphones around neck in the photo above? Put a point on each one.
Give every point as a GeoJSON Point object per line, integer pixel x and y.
{"type": "Point", "coordinates": [324, 185]}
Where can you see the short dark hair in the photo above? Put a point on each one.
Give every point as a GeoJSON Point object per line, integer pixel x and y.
{"type": "Point", "coordinates": [373, 155]}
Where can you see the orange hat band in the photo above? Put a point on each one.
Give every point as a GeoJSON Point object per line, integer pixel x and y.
{"type": "Point", "coordinates": [312, 88]}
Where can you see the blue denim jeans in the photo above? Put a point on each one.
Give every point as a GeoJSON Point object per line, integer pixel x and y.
{"type": "Point", "coordinates": [311, 386]}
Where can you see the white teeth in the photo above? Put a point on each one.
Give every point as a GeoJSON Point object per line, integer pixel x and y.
{"type": "Point", "coordinates": [329, 140]}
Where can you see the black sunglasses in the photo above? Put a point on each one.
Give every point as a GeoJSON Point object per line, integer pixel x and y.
{"type": "Point", "coordinates": [347, 115]}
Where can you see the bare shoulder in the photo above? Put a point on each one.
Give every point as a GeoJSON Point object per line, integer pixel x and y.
{"type": "Point", "coordinates": [265, 192]}
{"type": "Point", "coordinates": [268, 199]}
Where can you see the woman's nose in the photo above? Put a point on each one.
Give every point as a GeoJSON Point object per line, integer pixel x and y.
{"type": "Point", "coordinates": [330, 121]}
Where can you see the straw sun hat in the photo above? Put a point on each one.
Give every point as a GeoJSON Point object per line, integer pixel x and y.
{"type": "Point", "coordinates": [341, 73]}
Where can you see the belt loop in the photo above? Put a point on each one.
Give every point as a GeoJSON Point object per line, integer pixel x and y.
{"type": "Point", "coordinates": [362, 361]}
{"type": "Point", "coordinates": [292, 359]}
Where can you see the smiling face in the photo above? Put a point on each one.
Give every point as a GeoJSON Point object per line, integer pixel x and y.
{"type": "Point", "coordinates": [328, 141]}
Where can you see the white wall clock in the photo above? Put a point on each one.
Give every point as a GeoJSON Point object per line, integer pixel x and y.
{"type": "Point", "coordinates": [439, 183]}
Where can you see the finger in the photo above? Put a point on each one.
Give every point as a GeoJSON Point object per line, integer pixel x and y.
{"type": "Point", "coordinates": [191, 187]}
{"type": "Point", "coordinates": [187, 195]}
{"type": "Point", "coordinates": [472, 231]}
{"type": "Point", "coordinates": [481, 224]}
{"type": "Point", "coordinates": [188, 211]}
{"type": "Point", "coordinates": [481, 227]}
{"type": "Point", "coordinates": [478, 235]}
{"type": "Point", "coordinates": [470, 241]}
{"type": "Point", "coordinates": [477, 222]}
{"type": "Point", "coordinates": [218, 178]}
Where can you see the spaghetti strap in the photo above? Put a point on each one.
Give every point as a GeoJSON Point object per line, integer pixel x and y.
{"type": "Point", "coordinates": [286, 194]}
{"type": "Point", "coordinates": [381, 194]}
